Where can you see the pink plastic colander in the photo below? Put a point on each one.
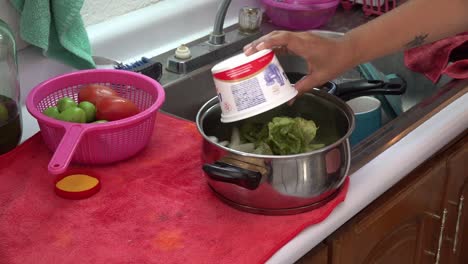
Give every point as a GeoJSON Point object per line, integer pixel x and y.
{"type": "Point", "coordinates": [96, 143]}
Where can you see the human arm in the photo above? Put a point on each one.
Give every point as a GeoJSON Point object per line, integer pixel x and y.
{"type": "Point", "coordinates": [414, 23]}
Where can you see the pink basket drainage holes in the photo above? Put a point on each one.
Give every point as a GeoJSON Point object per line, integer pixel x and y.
{"type": "Point", "coordinates": [96, 143]}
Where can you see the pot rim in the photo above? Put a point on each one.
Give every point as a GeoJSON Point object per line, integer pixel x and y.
{"type": "Point", "coordinates": [346, 108]}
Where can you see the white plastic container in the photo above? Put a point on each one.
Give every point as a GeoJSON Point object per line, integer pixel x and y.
{"type": "Point", "coordinates": [250, 85]}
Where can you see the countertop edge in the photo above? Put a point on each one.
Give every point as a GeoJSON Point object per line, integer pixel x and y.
{"type": "Point", "coordinates": [409, 152]}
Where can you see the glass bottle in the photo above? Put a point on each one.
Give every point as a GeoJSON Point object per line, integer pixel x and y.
{"type": "Point", "coordinates": [10, 107]}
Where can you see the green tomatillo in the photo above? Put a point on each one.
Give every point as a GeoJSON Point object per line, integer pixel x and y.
{"type": "Point", "coordinates": [73, 114]}
{"type": "Point", "coordinates": [64, 103]}
{"type": "Point", "coordinates": [51, 112]}
{"type": "Point", "coordinates": [89, 109]}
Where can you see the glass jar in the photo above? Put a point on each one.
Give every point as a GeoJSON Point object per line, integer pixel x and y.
{"type": "Point", "coordinates": [10, 107]}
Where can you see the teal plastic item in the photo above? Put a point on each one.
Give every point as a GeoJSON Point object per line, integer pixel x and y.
{"type": "Point", "coordinates": [368, 117]}
{"type": "Point", "coordinates": [391, 104]}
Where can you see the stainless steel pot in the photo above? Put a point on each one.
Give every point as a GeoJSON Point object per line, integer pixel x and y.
{"type": "Point", "coordinates": [285, 184]}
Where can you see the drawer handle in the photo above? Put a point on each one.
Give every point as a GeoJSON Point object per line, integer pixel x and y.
{"type": "Point", "coordinates": [441, 235]}
{"type": "Point", "coordinates": [457, 226]}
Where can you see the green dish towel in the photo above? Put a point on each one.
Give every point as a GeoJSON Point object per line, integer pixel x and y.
{"type": "Point", "coordinates": [57, 28]}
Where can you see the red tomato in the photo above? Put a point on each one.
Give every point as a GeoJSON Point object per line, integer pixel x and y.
{"type": "Point", "coordinates": [112, 108]}
{"type": "Point", "coordinates": [94, 92]}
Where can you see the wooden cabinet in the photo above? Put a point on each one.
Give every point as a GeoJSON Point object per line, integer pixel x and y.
{"type": "Point", "coordinates": [399, 227]}
{"type": "Point", "coordinates": [422, 219]}
{"type": "Point", "coordinates": [455, 247]}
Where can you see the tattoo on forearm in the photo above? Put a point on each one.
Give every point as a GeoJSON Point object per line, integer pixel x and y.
{"type": "Point", "coordinates": [417, 41]}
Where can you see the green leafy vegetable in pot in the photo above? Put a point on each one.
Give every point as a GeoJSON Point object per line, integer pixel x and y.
{"type": "Point", "coordinates": [280, 136]}
{"type": "Point", "coordinates": [253, 131]}
{"type": "Point", "coordinates": [263, 149]}
{"type": "Point", "coordinates": [290, 135]}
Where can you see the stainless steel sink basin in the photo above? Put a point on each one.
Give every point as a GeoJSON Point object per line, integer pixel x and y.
{"type": "Point", "coordinates": [189, 92]}
{"type": "Point", "coordinates": [185, 97]}
{"type": "Point", "coordinates": [186, 93]}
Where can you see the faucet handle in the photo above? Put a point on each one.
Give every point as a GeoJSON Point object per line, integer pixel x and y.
{"type": "Point", "coordinates": [250, 19]}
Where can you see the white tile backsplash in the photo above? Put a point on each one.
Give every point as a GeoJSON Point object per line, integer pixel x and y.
{"type": "Point", "coordinates": [93, 12]}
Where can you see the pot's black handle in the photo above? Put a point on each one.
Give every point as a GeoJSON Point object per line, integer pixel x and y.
{"type": "Point", "coordinates": [349, 90]}
{"type": "Point", "coordinates": [220, 171]}
{"type": "Point", "coordinates": [358, 86]}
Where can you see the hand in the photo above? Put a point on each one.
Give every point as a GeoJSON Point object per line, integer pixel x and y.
{"type": "Point", "coordinates": [326, 57]}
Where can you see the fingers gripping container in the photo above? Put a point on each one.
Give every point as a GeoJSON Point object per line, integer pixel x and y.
{"type": "Point", "coordinates": [250, 85]}
{"type": "Point", "coordinates": [96, 143]}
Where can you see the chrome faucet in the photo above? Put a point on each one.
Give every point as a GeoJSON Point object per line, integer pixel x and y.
{"type": "Point", "coordinates": [220, 45]}
{"type": "Point", "coordinates": [217, 37]}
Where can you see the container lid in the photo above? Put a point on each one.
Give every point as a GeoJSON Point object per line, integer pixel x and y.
{"type": "Point", "coordinates": [238, 60]}
{"type": "Point", "coordinates": [77, 186]}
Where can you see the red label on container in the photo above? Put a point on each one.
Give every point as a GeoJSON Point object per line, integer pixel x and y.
{"type": "Point", "coordinates": [245, 70]}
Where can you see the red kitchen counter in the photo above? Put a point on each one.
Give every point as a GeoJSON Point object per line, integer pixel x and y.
{"type": "Point", "coordinates": [153, 208]}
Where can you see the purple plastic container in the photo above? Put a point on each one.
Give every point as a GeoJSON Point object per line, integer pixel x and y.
{"type": "Point", "coordinates": [292, 15]}
{"type": "Point", "coordinates": [305, 2]}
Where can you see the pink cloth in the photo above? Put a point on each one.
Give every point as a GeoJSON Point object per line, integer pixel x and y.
{"type": "Point", "coordinates": [153, 208]}
{"type": "Point", "coordinates": [447, 56]}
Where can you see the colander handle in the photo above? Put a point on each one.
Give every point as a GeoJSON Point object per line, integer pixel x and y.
{"type": "Point", "coordinates": [64, 152]}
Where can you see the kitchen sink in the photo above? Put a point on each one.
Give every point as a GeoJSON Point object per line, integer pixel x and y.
{"type": "Point", "coordinates": [185, 96]}
{"type": "Point", "coordinates": [186, 93]}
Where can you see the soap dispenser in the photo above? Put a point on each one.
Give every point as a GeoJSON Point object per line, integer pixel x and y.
{"type": "Point", "coordinates": [10, 108]}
